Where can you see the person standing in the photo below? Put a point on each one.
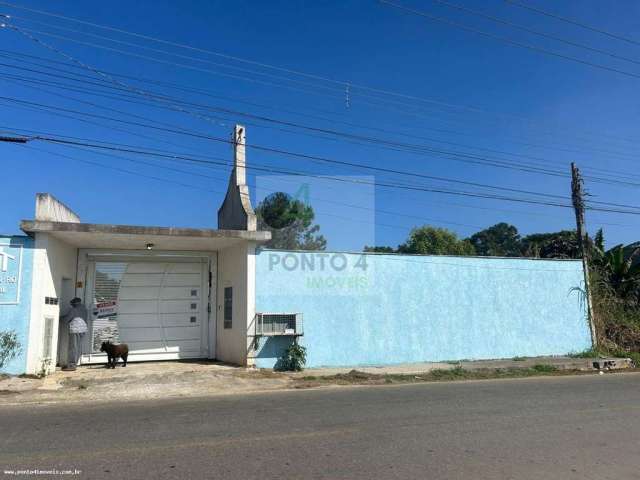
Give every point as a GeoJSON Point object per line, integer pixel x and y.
{"type": "Point", "coordinates": [77, 321]}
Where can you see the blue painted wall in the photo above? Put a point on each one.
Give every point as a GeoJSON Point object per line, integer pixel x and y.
{"type": "Point", "coordinates": [15, 294]}
{"type": "Point", "coordinates": [368, 309]}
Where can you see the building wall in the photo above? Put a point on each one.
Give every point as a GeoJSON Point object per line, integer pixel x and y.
{"type": "Point", "coordinates": [53, 262]}
{"type": "Point", "coordinates": [236, 268]}
{"type": "Point", "coordinates": [15, 299]}
{"type": "Point", "coordinates": [367, 309]}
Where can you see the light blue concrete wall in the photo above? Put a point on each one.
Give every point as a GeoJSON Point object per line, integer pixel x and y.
{"type": "Point", "coordinates": [15, 293]}
{"type": "Point", "coordinates": [367, 309]}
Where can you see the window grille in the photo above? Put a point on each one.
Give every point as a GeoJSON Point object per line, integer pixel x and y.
{"type": "Point", "coordinates": [47, 338]}
{"type": "Point", "coordinates": [271, 324]}
{"type": "Point", "coordinates": [228, 307]}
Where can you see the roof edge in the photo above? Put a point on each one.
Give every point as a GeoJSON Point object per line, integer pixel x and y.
{"type": "Point", "coordinates": [38, 226]}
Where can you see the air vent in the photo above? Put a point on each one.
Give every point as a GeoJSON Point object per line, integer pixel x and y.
{"type": "Point", "coordinates": [272, 324]}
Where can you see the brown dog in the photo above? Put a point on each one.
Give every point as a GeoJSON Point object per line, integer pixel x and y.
{"type": "Point", "coordinates": [115, 351]}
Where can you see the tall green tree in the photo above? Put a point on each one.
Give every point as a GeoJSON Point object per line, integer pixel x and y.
{"type": "Point", "coordinates": [435, 241]}
{"type": "Point", "coordinates": [500, 240]}
{"type": "Point", "coordinates": [290, 222]}
{"type": "Point", "coordinates": [379, 249]}
{"type": "Point", "coordinates": [562, 244]}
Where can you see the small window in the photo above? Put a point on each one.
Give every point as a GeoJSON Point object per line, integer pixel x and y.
{"type": "Point", "coordinates": [194, 306]}
{"type": "Point", "coordinates": [47, 340]}
{"type": "Point", "coordinates": [194, 293]}
{"type": "Point", "coordinates": [192, 319]}
{"type": "Point", "coordinates": [228, 307]}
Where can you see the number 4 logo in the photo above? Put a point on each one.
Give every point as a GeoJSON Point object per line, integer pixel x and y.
{"type": "Point", "coordinates": [4, 259]}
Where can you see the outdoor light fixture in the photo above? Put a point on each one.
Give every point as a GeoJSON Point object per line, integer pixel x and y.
{"type": "Point", "coordinates": [150, 246]}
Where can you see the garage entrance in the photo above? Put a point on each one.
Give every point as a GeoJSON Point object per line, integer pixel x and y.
{"type": "Point", "coordinates": [157, 304]}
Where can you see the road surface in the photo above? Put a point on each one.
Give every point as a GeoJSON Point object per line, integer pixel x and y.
{"type": "Point", "coordinates": [585, 427]}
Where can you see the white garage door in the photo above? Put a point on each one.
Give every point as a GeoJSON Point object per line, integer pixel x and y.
{"type": "Point", "coordinates": [158, 308]}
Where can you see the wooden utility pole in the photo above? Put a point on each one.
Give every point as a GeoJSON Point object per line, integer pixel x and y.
{"type": "Point", "coordinates": [577, 198]}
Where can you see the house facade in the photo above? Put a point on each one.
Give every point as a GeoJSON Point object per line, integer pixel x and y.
{"type": "Point", "coordinates": [177, 293]}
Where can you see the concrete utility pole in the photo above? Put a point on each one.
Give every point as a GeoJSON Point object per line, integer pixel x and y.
{"type": "Point", "coordinates": [577, 198]}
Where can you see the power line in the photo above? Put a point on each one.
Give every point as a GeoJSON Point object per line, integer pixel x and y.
{"type": "Point", "coordinates": [413, 149]}
{"type": "Point", "coordinates": [414, 200]}
{"type": "Point", "coordinates": [206, 93]}
{"type": "Point", "coordinates": [320, 158]}
{"type": "Point", "coordinates": [425, 220]}
{"type": "Point", "coordinates": [535, 32]}
{"type": "Point", "coordinates": [142, 92]}
{"type": "Point", "coordinates": [393, 145]}
{"type": "Point", "coordinates": [134, 150]}
{"type": "Point", "coordinates": [528, 144]}
{"type": "Point", "coordinates": [128, 149]}
{"type": "Point", "coordinates": [315, 199]}
{"type": "Point", "coordinates": [343, 84]}
{"type": "Point", "coordinates": [321, 213]}
{"type": "Point", "coordinates": [286, 152]}
{"type": "Point", "coordinates": [507, 40]}
{"type": "Point", "coordinates": [307, 156]}
{"type": "Point", "coordinates": [574, 22]}
{"type": "Point", "coordinates": [172, 102]}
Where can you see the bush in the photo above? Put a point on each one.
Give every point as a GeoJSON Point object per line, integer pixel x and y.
{"type": "Point", "coordinates": [293, 359]}
{"type": "Point", "coordinates": [616, 320]}
{"type": "Point", "coordinates": [9, 347]}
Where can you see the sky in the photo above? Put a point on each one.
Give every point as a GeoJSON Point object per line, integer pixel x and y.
{"type": "Point", "coordinates": [374, 89]}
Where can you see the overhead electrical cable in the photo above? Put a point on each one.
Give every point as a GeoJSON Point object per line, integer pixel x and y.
{"type": "Point", "coordinates": [535, 32]}
{"type": "Point", "coordinates": [286, 152]}
{"type": "Point", "coordinates": [574, 22]}
{"type": "Point", "coordinates": [507, 40]}
{"type": "Point", "coordinates": [403, 133]}
{"type": "Point", "coordinates": [528, 144]}
{"type": "Point", "coordinates": [342, 83]}
{"type": "Point", "coordinates": [313, 157]}
{"type": "Point", "coordinates": [127, 149]}
{"type": "Point", "coordinates": [223, 161]}
{"type": "Point", "coordinates": [621, 179]}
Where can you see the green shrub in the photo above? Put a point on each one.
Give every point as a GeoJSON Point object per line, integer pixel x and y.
{"type": "Point", "coordinates": [9, 347]}
{"type": "Point", "coordinates": [293, 359]}
{"type": "Point", "coordinates": [542, 368]}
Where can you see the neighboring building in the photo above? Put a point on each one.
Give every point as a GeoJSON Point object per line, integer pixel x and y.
{"type": "Point", "coordinates": [173, 293]}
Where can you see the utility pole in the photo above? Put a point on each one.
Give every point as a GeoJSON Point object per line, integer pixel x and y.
{"type": "Point", "coordinates": [577, 198]}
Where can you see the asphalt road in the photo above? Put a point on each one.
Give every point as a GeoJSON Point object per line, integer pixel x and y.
{"type": "Point", "coordinates": [585, 427]}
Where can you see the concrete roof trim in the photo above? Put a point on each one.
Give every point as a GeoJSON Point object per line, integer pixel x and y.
{"type": "Point", "coordinates": [34, 226]}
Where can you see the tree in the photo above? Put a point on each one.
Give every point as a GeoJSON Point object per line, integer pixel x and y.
{"type": "Point", "coordinates": [290, 222]}
{"type": "Point", "coordinates": [620, 272]}
{"type": "Point", "coordinates": [563, 244]}
{"type": "Point", "coordinates": [10, 347]}
{"type": "Point", "coordinates": [379, 249]}
{"type": "Point", "coordinates": [500, 240]}
{"type": "Point", "coordinates": [435, 241]}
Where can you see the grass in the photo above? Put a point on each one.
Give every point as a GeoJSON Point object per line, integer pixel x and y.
{"type": "Point", "coordinates": [356, 377]}
{"type": "Point", "coordinates": [542, 368]}
{"type": "Point", "coordinates": [589, 353]}
{"type": "Point", "coordinates": [519, 359]}
{"type": "Point", "coordinates": [611, 352]}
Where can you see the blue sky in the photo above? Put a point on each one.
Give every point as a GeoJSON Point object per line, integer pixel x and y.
{"type": "Point", "coordinates": [478, 96]}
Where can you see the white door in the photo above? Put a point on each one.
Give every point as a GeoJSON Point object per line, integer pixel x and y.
{"type": "Point", "coordinates": [158, 308]}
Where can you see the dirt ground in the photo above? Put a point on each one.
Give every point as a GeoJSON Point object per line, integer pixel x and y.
{"type": "Point", "coordinates": [140, 380]}
{"type": "Point", "coordinates": [200, 378]}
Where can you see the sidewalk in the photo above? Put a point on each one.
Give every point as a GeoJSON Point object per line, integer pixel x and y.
{"type": "Point", "coordinates": [145, 380]}
{"type": "Point", "coordinates": [175, 379]}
